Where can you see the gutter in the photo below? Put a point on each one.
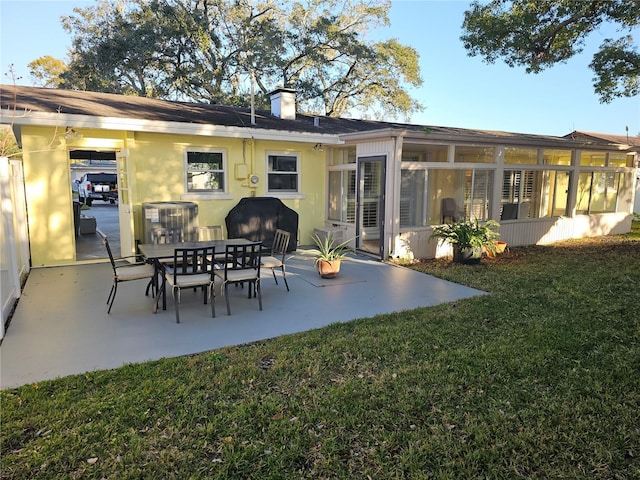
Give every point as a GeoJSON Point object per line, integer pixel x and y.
{"type": "Point", "coordinates": [155, 126]}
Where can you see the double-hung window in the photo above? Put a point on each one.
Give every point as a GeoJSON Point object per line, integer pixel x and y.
{"type": "Point", "coordinates": [283, 173]}
{"type": "Point", "coordinates": [205, 171]}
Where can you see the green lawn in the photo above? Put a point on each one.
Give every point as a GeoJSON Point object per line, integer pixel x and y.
{"type": "Point", "coordinates": [539, 379]}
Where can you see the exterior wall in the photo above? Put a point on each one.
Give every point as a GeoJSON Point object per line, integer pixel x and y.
{"type": "Point", "coordinates": [160, 176]}
{"type": "Point", "coordinates": [413, 242]}
{"type": "Point", "coordinates": [156, 173]}
{"type": "Point", "coordinates": [385, 148]}
{"type": "Point", "coordinates": [544, 231]}
{"type": "Point", "coordinates": [48, 195]}
{"type": "Point", "coordinates": [156, 168]}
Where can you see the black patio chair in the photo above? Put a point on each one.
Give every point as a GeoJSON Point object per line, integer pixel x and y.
{"type": "Point", "coordinates": [126, 272]}
{"type": "Point", "coordinates": [278, 253]}
{"type": "Point", "coordinates": [191, 268]}
{"type": "Point", "coordinates": [242, 265]}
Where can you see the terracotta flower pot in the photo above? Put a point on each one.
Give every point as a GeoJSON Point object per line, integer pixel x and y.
{"type": "Point", "coordinates": [328, 269]}
{"type": "Point", "coordinates": [500, 247]}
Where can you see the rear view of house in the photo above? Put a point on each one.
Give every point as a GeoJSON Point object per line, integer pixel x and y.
{"type": "Point", "coordinates": [384, 183]}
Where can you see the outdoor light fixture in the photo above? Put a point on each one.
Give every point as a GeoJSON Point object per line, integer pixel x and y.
{"type": "Point", "coordinates": [318, 147]}
{"type": "Point", "coordinates": [72, 134]}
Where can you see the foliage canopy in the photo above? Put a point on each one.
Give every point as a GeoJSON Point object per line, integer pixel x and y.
{"type": "Point", "coordinates": [538, 35]}
{"type": "Point", "coordinates": [214, 50]}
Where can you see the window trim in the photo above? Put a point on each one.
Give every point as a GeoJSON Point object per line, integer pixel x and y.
{"type": "Point", "coordinates": [203, 195]}
{"type": "Point", "coordinates": [281, 193]}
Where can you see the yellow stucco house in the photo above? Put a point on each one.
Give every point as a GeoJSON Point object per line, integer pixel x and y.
{"type": "Point", "coordinates": [385, 184]}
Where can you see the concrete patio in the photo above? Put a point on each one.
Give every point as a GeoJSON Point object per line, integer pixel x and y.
{"type": "Point", "coordinates": [60, 326]}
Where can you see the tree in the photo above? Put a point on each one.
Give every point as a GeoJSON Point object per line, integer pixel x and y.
{"type": "Point", "coordinates": [46, 71]}
{"type": "Point", "coordinates": [212, 50]}
{"type": "Point", "coordinates": [539, 34]}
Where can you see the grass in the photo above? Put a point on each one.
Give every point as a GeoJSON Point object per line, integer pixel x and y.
{"type": "Point", "coordinates": [538, 379]}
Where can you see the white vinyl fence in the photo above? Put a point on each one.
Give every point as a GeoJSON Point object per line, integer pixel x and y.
{"type": "Point", "coordinates": [14, 240]}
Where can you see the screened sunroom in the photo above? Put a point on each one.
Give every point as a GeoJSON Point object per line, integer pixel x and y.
{"type": "Point", "coordinates": [389, 192]}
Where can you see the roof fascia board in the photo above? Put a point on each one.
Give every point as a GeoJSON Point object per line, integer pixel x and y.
{"type": "Point", "coordinates": [382, 134]}
{"type": "Point", "coordinates": [154, 126]}
{"type": "Point", "coordinates": [412, 136]}
{"type": "Point", "coordinates": [494, 140]}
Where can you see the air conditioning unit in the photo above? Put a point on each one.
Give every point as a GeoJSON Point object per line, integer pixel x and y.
{"type": "Point", "coordinates": [183, 215]}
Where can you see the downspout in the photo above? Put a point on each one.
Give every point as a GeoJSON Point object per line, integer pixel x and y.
{"type": "Point", "coordinates": [254, 179]}
{"type": "Point", "coordinates": [392, 196]}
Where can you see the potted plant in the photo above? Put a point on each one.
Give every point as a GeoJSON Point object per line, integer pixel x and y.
{"type": "Point", "coordinates": [468, 238]}
{"type": "Point", "coordinates": [328, 256]}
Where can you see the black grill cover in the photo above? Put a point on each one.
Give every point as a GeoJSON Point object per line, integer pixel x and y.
{"type": "Point", "coordinates": [257, 219]}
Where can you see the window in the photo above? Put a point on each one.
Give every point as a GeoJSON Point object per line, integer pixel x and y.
{"type": "Point", "coordinates": [343, 156]}
{"type": "Point", "coordinates": [413, 197]}
{"type": "Point", "coordinates": [474, 154]}
{"type": "Point", "coordinates": [593, 159]}
{"type": "Point", "coordinates": [477, 194]}
{"type": "Point", "coordinates": [205, 171]}
{"type": "Point", "coordinates": [426, 153]}
{"type": "Point", "coordinates": [342, 196]}
{"type": "Point", "coordinates": [620, 160]}
{"type": "Point", "coordinates": [282, 173]}
{"type": "Point", "coordinates": [469, 189]}
{"type": "Point", "coordinates": [598, 192]}
{"type": "Point", "coordinates": [556, 157]}
{"type": "Point", "coordinates": [533, 194]}
{"type": "Point", "coordinates": [521, 155]}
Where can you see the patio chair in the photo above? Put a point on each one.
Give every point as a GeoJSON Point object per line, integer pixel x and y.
{"type": "Point", "coordinates": [126, 272]}
{"type": "Point", "coordinates": [211, 232]}
{"type": "Point", "coordinates": [241, 265]}
{"type": "Point", "coordinates": [277, 257]}
{"type": "Point", "coordinates": [164, 235]}
{"type": "Point", "coordinates": [192, 268]}
{"type": "Point", "coordinates": [450, 210]}
{"type": "Point", "coordinates": [509, 211]}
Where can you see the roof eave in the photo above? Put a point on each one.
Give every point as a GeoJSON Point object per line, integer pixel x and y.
{"type": "Point", "coordinates": [156, 126]}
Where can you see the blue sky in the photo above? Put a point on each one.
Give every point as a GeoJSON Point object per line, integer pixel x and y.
{"type": "Point", "coordinates": [458, 90]}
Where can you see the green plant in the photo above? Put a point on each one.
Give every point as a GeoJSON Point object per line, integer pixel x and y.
{"type": "Point", "coordinates": [469, 234]}
{"type": "Point", "coordinates": [327, 251]}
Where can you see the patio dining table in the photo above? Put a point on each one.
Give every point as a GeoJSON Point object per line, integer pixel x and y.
{"type": "Point", "coordinates": [156, 252]}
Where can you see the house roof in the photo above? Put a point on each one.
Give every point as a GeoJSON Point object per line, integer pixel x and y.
{"type": "Point", "coordinates": [606, 138]}
{"type": "Point", "coordinates": [74, 102]}
{"type": "Point", "coordinates": [47, 106]}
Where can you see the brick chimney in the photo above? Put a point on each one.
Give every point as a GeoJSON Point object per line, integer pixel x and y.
{"type": "Point", "coordinates": [283, 103]}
